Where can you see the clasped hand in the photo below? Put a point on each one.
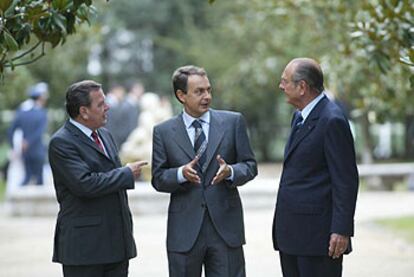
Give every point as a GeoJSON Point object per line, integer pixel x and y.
{"type": "Point", "coordinates": [190, 173]}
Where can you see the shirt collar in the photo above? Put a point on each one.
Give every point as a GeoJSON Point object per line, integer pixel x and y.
{"type": "Point", "coordinates": [83, 128]}
{"type": "Point", "coordinates": [188, 119]}
{"type": "Point", "coordinates": [308, 109]}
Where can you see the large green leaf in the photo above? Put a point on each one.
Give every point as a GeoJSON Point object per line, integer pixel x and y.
{"type": "Point", "coordinates": [4, 5]}
{"type": "Point", "coordinates": [9, 40]}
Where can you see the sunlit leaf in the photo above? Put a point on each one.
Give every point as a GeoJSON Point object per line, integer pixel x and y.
{"type": "Point", "coordinates": [11, 43]}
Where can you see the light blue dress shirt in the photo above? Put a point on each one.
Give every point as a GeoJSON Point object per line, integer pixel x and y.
{"type": "Point", "coordinates": [205, 124]}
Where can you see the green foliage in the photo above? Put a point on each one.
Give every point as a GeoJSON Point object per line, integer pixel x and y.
{"type": "Point", "coordinates": [27, 25]}
{"type": "Point", "coordinates": [59, 68]}
{"type": "Point", "coordinates": [384, 31]}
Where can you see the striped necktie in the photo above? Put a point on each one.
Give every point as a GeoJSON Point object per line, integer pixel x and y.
{"type": "Point", "coordinates": [97, 141]}
{"type": "Point", "coordinates": [200, 142]}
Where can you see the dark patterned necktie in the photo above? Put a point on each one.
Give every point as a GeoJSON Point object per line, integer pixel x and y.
{"type": "Point", "coordinates": [295, 127]}
{"type": "Point", "coordinates": [97, 141]}
{"type": "Point", "coordinates": [200, 143]}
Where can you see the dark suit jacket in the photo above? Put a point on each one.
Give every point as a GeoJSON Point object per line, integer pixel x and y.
{"type": "Point", "coordinates": [318, 186]}
{"type": "Point", "coordinates": [188, 202]}
{"type": "Point", "coordinates": [33, 124]}
{"type": "Point", "coordinates": [94, 225]}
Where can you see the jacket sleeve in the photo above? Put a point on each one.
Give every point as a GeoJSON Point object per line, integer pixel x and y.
{"type": "Point", "coordinates": [164, 178]}
{"type": "Point", "coordinates": [246, 167]}
{"type": "Point", "coordinates": [340, 156]}
{"type": "Point", "coordinates": [74, 173]}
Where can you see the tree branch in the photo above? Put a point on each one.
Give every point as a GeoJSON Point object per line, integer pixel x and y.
{"type": "Point", "coordinates": [27, 52]}
{"type": "Point", "coordinates": [28, 62]}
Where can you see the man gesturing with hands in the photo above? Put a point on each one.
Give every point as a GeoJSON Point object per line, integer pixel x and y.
{"type": "Point", "coordinates": [200, 157]}
{"type": "Point", "coordinates": [93, 235]}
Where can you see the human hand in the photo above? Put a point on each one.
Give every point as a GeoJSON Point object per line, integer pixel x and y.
{"type": "Point", "coordinates": [337, 245]}
{"type": "Point", "coordinates": [25, 146]}
{"type": "Point", "coordinates": [190, 173]}
{"type": "Point", "coordinates": [136, 168]}
{"type": "Point", "coordinates": [223, 172]}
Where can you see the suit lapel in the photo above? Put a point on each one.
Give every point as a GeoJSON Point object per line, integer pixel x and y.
{"type": "Point", "coordinates": [84, 139]}
{"type": "Point", "coordinates": [307, 127]}
{"type": "Point", "coordinates": [181, 138]}
{"type": "Point", "coordinates": [109, 147]}
{"type": "Point", "coordinates": [215, 135]}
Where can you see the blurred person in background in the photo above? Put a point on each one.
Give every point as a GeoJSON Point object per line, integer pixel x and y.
{"type": "Point", "coordinates": [116, 121]}
{"type": "Point", "coordinates": [31, 121]}
{"type": "Point", "coordinates": [130, 111]}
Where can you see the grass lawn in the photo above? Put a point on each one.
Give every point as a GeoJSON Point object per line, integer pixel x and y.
{"type": "Point", "coordinates": [402, 225]}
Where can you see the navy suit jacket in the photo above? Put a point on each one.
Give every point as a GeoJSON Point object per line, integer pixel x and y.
{"type": "Point", "coordinates": [172, 148]}
{"type": "Point", "coordinates": [319, 184]}
{"type": "Point", "coordinates": [33, 124]}
{"type": "Point", "coordinates": [94, 224]}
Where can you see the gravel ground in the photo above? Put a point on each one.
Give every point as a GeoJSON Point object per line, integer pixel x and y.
{"type": "Point", "coordinates": [26, 243]}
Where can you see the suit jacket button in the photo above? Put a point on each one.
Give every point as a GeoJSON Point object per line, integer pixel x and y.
{"type": "Point", "coordinates": [203, 205]}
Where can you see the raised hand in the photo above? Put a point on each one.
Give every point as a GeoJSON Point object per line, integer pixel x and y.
{"type": "Point", "coordinates": [136, 168]}
{"type": "Point", "coordinates": [190, 173]}
{"type": "Point", "coordinates": [223, 172]}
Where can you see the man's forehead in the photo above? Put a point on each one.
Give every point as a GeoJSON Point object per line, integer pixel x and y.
{"type": "Point", "coordinates": [198, 80]}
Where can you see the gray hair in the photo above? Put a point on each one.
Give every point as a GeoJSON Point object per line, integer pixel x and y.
{"type": "Point", "coordinates": [309, 71]}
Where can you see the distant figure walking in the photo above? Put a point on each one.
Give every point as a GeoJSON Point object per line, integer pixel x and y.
{"type": "Point", "coordinates": [31, 120]}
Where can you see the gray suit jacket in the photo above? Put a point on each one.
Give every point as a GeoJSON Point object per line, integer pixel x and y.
{"type": "Point", "coordinates": [188, 202]}
{"type": "Point", "coordinates": [94, 225]}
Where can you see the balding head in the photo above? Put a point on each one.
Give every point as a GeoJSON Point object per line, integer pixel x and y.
{"type": "Point", "coordinates": [308, 70]}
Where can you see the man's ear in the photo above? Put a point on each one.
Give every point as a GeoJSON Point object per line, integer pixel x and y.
{"type": "Point", "coordinates": [83, 112]}
{"type": "Point", "coordinates": [303, 85]}
{"type": "Point", "coordinates": [181, 95]}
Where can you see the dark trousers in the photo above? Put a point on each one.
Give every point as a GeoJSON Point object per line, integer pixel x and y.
{"type": "Point", "coordinates": [310, 266]}
{"type": "Point", "coordinates": [103, 270]}
{"type": "Point", "coordinates": [209, 250]}
{"type": "Point", "coordinates": [33, 168]}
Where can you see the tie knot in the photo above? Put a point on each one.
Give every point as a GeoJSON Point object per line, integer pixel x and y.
{"type": "Point", "coordinates": [94, 135]}
{"type": "Point", "coordinates": [196, 124]}
{"type": "Point", "coordinates": [298, 119]}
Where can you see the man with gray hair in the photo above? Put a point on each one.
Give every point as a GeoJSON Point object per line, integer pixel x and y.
{"type": "Point", "coordinates": [314, 217]}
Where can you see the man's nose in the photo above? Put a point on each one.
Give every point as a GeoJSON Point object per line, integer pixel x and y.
{"type": "Point", "coordinates": [207, 95]}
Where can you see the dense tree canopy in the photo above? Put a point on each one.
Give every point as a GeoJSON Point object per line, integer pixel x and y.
{"type": "Point", "coordinates": [365, 48]}
{"type": "Point", "coordinates": [27, 25]}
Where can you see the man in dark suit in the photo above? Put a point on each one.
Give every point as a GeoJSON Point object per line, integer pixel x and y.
{"type": "Point", "coordinates": [93, 235]}
{"type": "Point", "coordinates": [200, 157]}
{"type": "Point", "coordinates": [315, 207]}
{"type": "Point", "coordinates": [31, 119]}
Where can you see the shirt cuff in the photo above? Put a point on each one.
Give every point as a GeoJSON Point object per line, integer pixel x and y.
{"type": "Point", "coordinates": [231, 177]}
{"type": "Point", "coordinates": [180, 175]}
